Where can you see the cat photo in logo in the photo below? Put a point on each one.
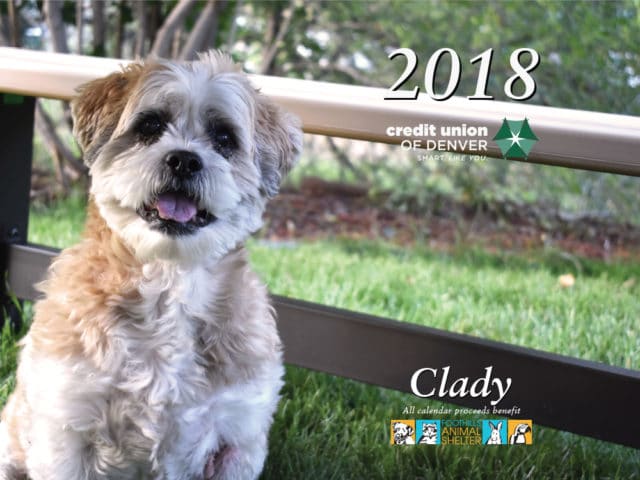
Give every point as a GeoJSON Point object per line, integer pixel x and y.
{"type": "Point", "coordinates": [428, 432]}
{"type": "Point", "coordinates": [403, 432]}
{"type": "Point", "coordinates": [494, 432]}
{"type": "Point", "coordinates": [520, 432]}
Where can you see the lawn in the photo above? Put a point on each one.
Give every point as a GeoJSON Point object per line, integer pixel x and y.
{"type": "Point", "coordinates": [328, 427]}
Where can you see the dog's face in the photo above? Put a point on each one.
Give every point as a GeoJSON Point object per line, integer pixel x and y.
{"type": "Point", "coordinates": [183, 156]}
{"type": "Point", "coordinates": [401, 431]}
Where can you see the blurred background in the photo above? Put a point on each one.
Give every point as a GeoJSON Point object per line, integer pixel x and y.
{"type": "Point", "coordinates": [539, 256]}
{"type": "Point", "coordinates": [589, 60]}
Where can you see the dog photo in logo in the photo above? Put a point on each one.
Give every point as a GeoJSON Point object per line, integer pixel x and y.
{"type": "Point", "coordinates": [428, 432]}
{"type": "Point", "coordinates": [494, 432]}
{"type": "Point", "coordinates": [403, 432]}
{"type": "Point", "coordinates": [520, 432]}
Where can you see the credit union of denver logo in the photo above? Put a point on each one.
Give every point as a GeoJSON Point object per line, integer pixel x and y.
{"type": "Point", "coordinates": [494, 431]}
{"type": "Point", "coordinates": [515, 139]}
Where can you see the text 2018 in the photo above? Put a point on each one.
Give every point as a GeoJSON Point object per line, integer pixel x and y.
{"type": "Point", "coordinates": [520, 72]}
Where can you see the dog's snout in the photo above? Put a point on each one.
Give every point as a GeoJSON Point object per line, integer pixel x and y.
{"type": "Point", "coordinates": [183, 164]}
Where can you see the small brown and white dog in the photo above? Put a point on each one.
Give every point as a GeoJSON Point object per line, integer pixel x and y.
{"type": "Point", "coordinates": [154, 352]}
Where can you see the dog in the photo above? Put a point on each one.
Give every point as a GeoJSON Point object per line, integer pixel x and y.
{"type": "Point", "coordinates": [154, 352]}
{"type": "Point", "coordinates": [402, 434]}
{"type": "Point", "coordinates": [429, 434]}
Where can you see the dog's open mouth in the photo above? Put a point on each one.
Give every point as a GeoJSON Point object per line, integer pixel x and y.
{"type": "Point", "coordinates": [175, 213]}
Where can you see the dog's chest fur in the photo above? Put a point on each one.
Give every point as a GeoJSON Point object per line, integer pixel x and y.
{"type": "Point", "coordinates": [162, 344]}
{"type": "Point", "coordinates": [165, 365]}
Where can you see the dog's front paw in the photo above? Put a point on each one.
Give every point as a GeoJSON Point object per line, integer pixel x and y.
{"type": "Point", "coordinates": [210, 468]}
{"type": "Point", "coordinates": [216, 461]}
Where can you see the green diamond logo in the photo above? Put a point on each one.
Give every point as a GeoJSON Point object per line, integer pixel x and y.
{"type": "Point", "coordinates": [515, 138]}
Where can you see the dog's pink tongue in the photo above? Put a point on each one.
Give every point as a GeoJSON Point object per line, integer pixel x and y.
{"type": "Point", "coordinates": [172, 206]}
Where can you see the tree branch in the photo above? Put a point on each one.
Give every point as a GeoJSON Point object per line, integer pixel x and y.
{"type": "Point", "coordinates": [141, 32]}
{"type": "Point", "coordinates": [80, 24]}
{"type": "Point", "coordinates": [53, 14]}
{"type": "Point", "coordinates": [98, 27]}
{"type": "Point", "coordinates": [285, 21]}
{"type": "Point", "coordinates": [231, 37]}
{"type": "Point", "coordinates": [3, 28]}
{"type": "Point", "coordinates": [56, 147]}
{"type": "Point", "coordinates": [14, 24]}
{"type": "Point", "coordinates": [176, 18]}
{"type": "Point", "coordinates": [343, 159]}
{"type": "Point", "coordinates": [205, 28]}
{"type": "Point", "coordinates": [119, 35]}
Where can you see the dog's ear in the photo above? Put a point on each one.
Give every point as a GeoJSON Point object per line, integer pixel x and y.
{"type": "Point", "coordinates": [278, 143]}
{"type": "Point", "coordinates": [97, 108]}
{"type": "Point", "coordinates": [409, 430]}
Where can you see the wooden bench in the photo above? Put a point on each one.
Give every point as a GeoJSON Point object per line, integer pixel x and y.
{"type": "Point", "coordinates": [575, 395]}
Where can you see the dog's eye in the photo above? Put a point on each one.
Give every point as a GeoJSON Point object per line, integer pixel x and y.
{"type": "Point", "coordinates": [150, 126]}
{"type": "Point", "coordinates": [222, 139]}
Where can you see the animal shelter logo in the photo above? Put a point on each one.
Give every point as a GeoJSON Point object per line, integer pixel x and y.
{"type": "Point", "coordinates": [515, 139]}
{"type": "Point", "coordinates": [452, 431]}
{"type": "Point", "coordinates": [520, 432]}
{"type": "Point", "coordinates": [494, 432]}
{"type": "Point", "coordinates": [403, 432]}
{"type": "Point", "coordinates": [428, 432]}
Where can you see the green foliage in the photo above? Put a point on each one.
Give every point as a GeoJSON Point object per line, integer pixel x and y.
{"type": "Point", "coordinates": [588, 50]}
{"type": "Point", "coordinates": [9, 353]}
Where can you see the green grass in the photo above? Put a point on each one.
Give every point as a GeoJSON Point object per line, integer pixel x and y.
{"type": "Point", "coordinates": [59, 225]}
{"type": "Point", "coordinates": [332, 428]}
{"type": "Point", "coordinates": [502, 297]}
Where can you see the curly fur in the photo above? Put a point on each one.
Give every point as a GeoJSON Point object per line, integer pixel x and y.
{"type": "Point", "coordinates": [153, 355]}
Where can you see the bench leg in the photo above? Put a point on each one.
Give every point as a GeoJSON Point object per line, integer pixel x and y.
{"type": "Point", "coordinates": [16, 137]}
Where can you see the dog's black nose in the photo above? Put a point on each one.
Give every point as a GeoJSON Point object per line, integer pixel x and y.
{"type": "Point", "coordinates": [183, 164]}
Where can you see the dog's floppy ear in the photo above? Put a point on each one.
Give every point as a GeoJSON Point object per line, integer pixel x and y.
{"type": "Point", "coordinates": [409, 430]}
{"type": "Point", "coordinates": [278, 143]}
{"type": "Point", "coordinates": [98, 106]}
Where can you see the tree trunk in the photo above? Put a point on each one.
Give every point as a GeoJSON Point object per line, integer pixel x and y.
{"type": "Point", "coordinates": [49, 131]}
{"type": "Point", "coordinates": [154, 21]}
{"type": "Point", "coordinates": [176, 18]}
{"type": "Point", "coordinates": [343, 159]}
{"type": "Point", "coordinates": [141, 33]}
{"type": "Point", "coordinates": [231, 37]}
{"type": "Point", "coordinates": [176, 43]}
{"type": "Point", "coordinates": [277, 28]}
{"type": "Point", "coordinates": [205, 30]}
{"type": "Point", "coordinates": [80, 23]}
{"type": "Point", "coordinates": [60, 154]}
{"type": "Point", "coordinates": [14, 24]}
{"type": "Point", "coordinates": [4, 27]}
{"type": "Point", "coordinates": [53, 14]}
{"type": "Point", "coordinates": [98, 27]}
{"type": "Point", "coordinates": [119, 40]}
